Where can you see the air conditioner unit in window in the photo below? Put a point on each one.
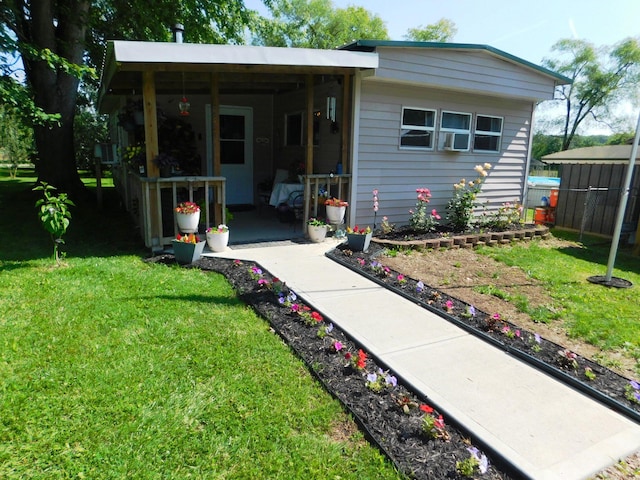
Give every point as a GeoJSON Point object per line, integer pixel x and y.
{"type": "Point", "coordinates": [449, 141]}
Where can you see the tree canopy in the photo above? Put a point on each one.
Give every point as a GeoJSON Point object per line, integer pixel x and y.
{"type": "Point", "coordinates": [600, 78]}
{"type": "Point", "coordinates": [316, 24]}
{"type": "Point", "coordinates": [57, 40]}
{"type": "Point", "coordinates": [442, 31]}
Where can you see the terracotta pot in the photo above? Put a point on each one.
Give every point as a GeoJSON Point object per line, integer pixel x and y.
{"type": "Point", "coordinates": [188, 222]}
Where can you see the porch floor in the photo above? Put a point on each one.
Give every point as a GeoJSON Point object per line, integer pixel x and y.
{"type": "Point", "coordinates": [261, 225]}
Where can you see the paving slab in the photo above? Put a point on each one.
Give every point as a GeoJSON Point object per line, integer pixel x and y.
{"type": "Point", "coordinates": [544, 428]}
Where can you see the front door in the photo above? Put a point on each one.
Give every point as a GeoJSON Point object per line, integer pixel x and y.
{"type": "Point", "coordinates": [236, 152]}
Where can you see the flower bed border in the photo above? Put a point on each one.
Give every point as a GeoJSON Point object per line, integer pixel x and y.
{"type": "Point", "coordinates": [626, 409]}
{"type": "Point", "coordinates": [264, 303]}
{"type": "Point", "coordinates": [470, 240]}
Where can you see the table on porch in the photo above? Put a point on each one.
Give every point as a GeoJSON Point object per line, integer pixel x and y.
{"type": "Point", "coordinates": [282, 191]}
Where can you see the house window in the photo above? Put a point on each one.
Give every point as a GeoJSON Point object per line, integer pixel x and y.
{"type": "Point", "coordinates": [418, 128]}
{"type": "Point", "coordinates": [488, 133]}
{"type": "Point", "coordinates": [455, 131]}
{"type": "Point", "coordinates": [293, 129]}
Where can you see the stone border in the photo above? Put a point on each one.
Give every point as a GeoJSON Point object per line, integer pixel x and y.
{"type": "Point", "coordinates": [469, 240]}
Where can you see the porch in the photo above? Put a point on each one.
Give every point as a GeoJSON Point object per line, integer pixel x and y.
{"type": "Point", "coordinates": [227, 118]}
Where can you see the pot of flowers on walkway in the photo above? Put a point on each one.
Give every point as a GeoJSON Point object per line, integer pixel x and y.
{"type": "Point", "coordinates": [317, 229]}
{"type": "Point", "coordinates": [188, 217]}
{"type": "Point", "coordinates": [218, 238]}
{"type": "Point", "coordinates": [187, 248]}
{"type": "Point", "coordinates": [335, 209]}
{"type": "Point", "coordinates": [358, 239]}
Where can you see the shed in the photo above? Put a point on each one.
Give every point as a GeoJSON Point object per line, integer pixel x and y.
{"type": "Point", "coordinates": [591, 183]}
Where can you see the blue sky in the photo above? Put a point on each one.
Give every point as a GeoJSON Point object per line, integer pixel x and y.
{"type": "Point", "coordinates": [526, 29]}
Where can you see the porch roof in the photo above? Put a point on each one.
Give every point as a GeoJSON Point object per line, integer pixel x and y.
{"type": "Point", "coordinates": [125, 60]}
{"type": "Point", "coordinates": [602, 154]}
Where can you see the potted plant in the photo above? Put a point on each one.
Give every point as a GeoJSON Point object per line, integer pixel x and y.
{"type": "Point", "coordinates": [188, 217]}
{"type": "Point", "coordinates": [218, 237]}
{"type": "Point", "coordinates": [317, 229]}
{"type": "Point", "coordinates": [187, 248]}
{"type": "Point", "coordinates": [336, 209]}
{"type": "Point", "coordinates": [358, 238]}
{"type": "Point", "coordinates": [165, 163]}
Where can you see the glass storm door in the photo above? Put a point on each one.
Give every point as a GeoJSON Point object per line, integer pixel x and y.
{"type": "Point", "coordinates": [236, 152]}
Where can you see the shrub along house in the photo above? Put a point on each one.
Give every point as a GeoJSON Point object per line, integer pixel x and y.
{"type": "Point", "coordinates": [386, 115]}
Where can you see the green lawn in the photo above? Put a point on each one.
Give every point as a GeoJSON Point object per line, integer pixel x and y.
{"type": "Point", "coordinates": [606, 317]}
{"type": "Point", "coordinates": [115, 368]}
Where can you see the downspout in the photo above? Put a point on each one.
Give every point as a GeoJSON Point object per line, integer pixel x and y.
{"type": "Point", "coordinates": [525, 183]}
{"type": "Point", "coordinates": [355, 145]}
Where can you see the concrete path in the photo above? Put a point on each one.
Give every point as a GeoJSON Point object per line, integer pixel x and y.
{"type": "Point", "coordinates": [544, 428]}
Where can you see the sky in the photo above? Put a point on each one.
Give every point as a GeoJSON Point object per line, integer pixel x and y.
{"type": "Point", "coordinates": [524, 28]}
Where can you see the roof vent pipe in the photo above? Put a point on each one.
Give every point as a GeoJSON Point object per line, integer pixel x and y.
{"type": "Point", "coordinates": [178, 30]}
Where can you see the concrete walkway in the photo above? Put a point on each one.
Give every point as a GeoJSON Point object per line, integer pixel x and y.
{"type": "Point", "coordinates": [544, 428]}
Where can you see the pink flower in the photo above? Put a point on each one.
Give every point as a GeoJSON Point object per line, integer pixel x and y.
{"type": "Point", "coordinates": [449, 305]}
{"type": "Point", "coordinates": [337, 346]}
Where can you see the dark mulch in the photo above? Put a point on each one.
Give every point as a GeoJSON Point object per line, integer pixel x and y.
{"type": "Point", "coordinates": [380, 415]}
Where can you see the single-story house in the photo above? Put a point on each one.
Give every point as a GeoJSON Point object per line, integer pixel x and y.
{"type": "Point", "coordinates": [591, 182]}
{"type": "Point", "coordinates": [387, 115]}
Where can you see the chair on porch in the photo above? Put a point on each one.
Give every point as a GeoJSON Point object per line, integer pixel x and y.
{"type": "Point", "coordinates": [264, 194]}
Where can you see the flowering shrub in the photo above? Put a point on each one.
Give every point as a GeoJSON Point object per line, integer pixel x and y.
{"type": "Point", "coordinates": [335, 202]}
{"type": "Point", "coordinates": [508, 214]}
{"type": "Point", "coordinates": [222, 228]}
{"type": "Point", "coordinates": [187, 207]}
{"type": "Point", "coordinates": [189, 238]}
{"type": "Point", "coordinates": [461, 205]}
{"type": "Point", "coordinates": [380, 381]}
{"type": "Point", "coordinates": [421, 219]}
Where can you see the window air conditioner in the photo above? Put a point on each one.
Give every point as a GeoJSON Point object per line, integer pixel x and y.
{"type": "Point", "coordinates": [449, 141]}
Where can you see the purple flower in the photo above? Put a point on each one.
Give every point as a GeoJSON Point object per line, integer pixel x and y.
{"type": "Point", "coordinates": [635, 385]}
{"type": "Point", "coordinates": [372, 377]}
{"type": "Point", "coordinates": [472, 310]}
{"type": "Point", "coordinates": [537, 338]}
{"type": "Point", "coordinates": [391, 380]}
{"type": "Point", "coordinates": [419, 287]}
{"type": "Point", "coordinates": [329, 328]}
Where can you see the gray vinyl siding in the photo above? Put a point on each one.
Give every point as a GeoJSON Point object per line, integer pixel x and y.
{"type": "Point", "coordinates": [396, 172]}
{"type": "Point", "coordinates": [468, 70]}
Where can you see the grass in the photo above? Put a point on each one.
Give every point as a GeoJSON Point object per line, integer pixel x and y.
{"type": "Point", "coordinates": [605, 317]}
{"type": "Point", "coordinates": [115, 368]}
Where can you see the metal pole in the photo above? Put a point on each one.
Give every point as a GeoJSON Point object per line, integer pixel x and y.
{"type": "Point", "coordinates": [623, 204]}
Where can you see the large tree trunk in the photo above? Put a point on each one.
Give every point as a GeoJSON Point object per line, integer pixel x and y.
{"type": "Point", "coordinates": [59, 26]}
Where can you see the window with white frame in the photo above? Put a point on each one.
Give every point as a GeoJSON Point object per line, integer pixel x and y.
{"type": "Point", "coordinates": [418, 128]}
{"type": "Point", "coordinates": [455, 131]}
{"type": "Point", "coordinates": [488, 133]}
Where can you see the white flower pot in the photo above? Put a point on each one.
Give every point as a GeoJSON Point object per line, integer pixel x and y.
{"type": "Point", "coordinates": [335, 215]}
{"type": "Point", "coordinates": [317, 234]}
{"type": "Point", "coordinates": [188, 222]}
{"type": "Point", "coordinates": [218, 242]}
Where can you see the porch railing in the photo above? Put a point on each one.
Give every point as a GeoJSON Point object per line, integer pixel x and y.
{"type": "Point", "coordinates": [333, 185]}
{"type": "Point", "coordinates": [140, 194]}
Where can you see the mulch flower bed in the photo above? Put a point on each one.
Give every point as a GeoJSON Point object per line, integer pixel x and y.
{"type": "Point", "coordinates": [394, 418]}
{"type": "Point", "coordinates": [591, 378]}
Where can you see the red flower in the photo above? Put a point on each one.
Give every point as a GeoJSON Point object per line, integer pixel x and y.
{"type": "Point", "coordinates": [362, 359]}
{"type": "Point", "coordinates": [347, 355]}
{"type": "Point", "coordinates": [316, 316]}
{"type": "Point", "coordinates": [439, 423]}
{"type": "Point", "coordinates": [426, 408]}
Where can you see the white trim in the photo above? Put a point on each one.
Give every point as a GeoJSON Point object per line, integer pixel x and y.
{"type": "Point", "coordinates": [455, 131]}
{"type": "Point", "coordinates": [422, 128]}
{"type": "Point", "coordinates": [488, 133]}
{"type": "Point", "coordinates": [355, 146]}
{"type": "Point", "coordinates": [525, 174]}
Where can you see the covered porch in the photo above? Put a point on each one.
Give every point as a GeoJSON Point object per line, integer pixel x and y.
{"type": "Point", "coordinates": [227, 119]}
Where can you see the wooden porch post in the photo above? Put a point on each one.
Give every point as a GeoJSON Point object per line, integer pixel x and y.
{"type": "Point", "coordinates": [215, 124]}
{"type": "Point", "coordinates": [151, 145]}
{"type": "Point", "coordinates": [346, 124]}
{"type": "Point", "coordinates": [309, 136]}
